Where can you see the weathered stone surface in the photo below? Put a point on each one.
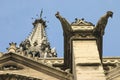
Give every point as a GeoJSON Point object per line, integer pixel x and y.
{"type": "Point", "coordinates": [87, 63]}
{"type": "Point", "coordinates": [13, 63]}
{"type": "Point", "coordinates": [34, 59]}
{"type": "Point", "coordinates": [27, 71]}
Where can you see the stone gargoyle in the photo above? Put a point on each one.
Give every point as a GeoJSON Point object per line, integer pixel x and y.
{"type": "Point", "coordinates": [101, 25]}
{"type": "Point", "coordinates": [65, 24]}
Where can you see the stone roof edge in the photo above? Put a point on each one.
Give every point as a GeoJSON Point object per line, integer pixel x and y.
{"type": "Point", "coordinates": [39, 63]}
{"type": "Point", "coordinates": [111, 57]}
{"type": "Point", "coordinates": [33, 60]}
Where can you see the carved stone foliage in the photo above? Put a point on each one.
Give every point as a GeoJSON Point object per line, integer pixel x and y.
{"type": "Point", "coordinates": [40, 21]}
{"type": "Point", "coordinates": [81, 22]}
{"type": "Point", "coordinates": [42, 51]}
{"type": "Point", "coordinates": [24, 45]}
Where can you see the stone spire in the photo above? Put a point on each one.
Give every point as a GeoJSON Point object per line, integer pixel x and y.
{"type": "Point", "coordinates": [38, 33]}
{"type": "Point", "coordinates": [37, 43]}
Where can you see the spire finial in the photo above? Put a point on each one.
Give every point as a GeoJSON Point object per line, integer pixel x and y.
{"type": "Point", "coordinates": [41, 13]}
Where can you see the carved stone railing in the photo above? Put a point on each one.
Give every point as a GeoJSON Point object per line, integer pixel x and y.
{"type": "Point", "coordinates": [111, 59]}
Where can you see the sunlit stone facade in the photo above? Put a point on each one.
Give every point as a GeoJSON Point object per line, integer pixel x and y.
{"type": "Point", "coordinates": [34, 59]}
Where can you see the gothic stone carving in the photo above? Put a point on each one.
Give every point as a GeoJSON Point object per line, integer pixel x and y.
{"type": "Point", "coordinates": [100, 27]}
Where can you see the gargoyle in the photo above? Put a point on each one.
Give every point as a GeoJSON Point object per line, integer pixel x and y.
{"type": "Point", "coordinates": [65, 25]}
{"type": "Point", "coordinates": [100, 27]}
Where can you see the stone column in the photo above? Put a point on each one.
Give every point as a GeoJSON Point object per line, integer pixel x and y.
{"type": "Point", "coordinates": [83, 49]}
{"type": "Point", "coordinates": [86, 57]}
{"type": "Point", "coordinates": [86, 60]}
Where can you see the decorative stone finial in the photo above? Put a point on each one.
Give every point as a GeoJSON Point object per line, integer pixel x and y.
{"type": "Point", "coordinates": [12, 47]}
{"type": "Point", "coordinates": [81, 22]}
{"type": "Point", "coordinates": [40, 20]}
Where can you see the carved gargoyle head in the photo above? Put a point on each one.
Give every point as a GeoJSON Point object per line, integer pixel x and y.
{"type": "Point", "coordinates": [57, 15]}
{"type": "Point", "coordinates": [109, 14]}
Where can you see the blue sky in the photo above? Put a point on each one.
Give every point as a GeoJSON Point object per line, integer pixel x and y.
{"type": "Point", "coordinates": [16, 20]}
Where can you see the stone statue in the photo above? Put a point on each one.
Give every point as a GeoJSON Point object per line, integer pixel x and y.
{"type": "Point", "coordinates": [35, 50]}
{"type": "Point", "coordinates": [25, 44]}
{"type": "Point", "coordinates": [53, 52]}
{"type": "Point", "coordinates": [45, 48]}
{"type": "Point", "coordinates": [44, 44]}
{"type": "Point", "coordinates": [24, 47]}
{"type": "Point", "coordinates": [100, 27]}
